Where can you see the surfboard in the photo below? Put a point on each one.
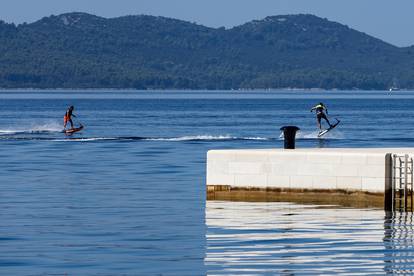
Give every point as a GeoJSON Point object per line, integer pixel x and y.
{"type": "Point", "coordinates": [323, 132]}
{"type": "Point", "coordinates": [70, 131]}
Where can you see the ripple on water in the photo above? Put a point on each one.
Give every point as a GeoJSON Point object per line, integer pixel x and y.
{"type": "Point", "coordinates": [283, 238]}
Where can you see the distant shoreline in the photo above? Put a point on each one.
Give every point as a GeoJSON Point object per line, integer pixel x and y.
{"type": "Point", "coordinates": [187, 90]}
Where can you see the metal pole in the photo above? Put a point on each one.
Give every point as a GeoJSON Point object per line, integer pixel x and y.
{"type": "Point", "coordinates": [411, 184]}
{"type": "Point", "coordinates": [388, 183]}
{"type": "Point", "coordinates": [400, 184]}
{"type": "Point", "coordinates": [405, 181]}
{"type": "Point", "coordinates": [393, 183]}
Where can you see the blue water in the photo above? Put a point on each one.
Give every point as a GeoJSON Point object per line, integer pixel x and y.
{"type": "Point", "coordinates": [126, 196]}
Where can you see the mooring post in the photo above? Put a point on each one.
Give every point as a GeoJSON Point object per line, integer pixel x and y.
{"type": "Point", "coordinates": [289, 135]}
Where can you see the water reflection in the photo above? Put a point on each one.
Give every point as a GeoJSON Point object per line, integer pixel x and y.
{"type": "Point", "coordinates": [289, 239]}
{"type": "Point", "coordinates": [398, 241]}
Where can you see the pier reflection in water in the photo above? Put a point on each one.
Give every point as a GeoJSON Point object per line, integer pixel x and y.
{"type": "Point", "coordinates": [289, 239]}
{"type": "Point", "coordinates": [399, 242]}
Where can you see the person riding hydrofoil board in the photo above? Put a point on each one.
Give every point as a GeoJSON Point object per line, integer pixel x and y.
{"type": "Point", "coordinates": [68, 117]}
{"type": "Point", "coordinates": [320, 114]}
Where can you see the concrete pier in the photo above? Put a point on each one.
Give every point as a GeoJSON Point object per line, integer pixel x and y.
{"type": "Point", "coordinates": [314, 175]}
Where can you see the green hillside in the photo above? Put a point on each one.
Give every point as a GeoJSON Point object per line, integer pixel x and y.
{"type": "Point", "coordinates": [79, 50]}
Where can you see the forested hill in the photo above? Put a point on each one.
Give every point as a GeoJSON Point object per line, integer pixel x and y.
{"type": "Point", "coordinates": [78, 50]}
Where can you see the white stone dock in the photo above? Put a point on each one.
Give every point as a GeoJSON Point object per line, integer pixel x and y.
{"type": "Point", "coordinates": [326, 169]}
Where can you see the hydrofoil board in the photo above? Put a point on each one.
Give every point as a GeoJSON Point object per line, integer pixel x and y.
{"type": "Point", "coordinates": [70, 131]}
{"type": "Point", "coordinates": [323, 132]}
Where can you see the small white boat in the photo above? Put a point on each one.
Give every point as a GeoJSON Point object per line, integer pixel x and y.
{"type": "Point", "coordinates": [395, 86]}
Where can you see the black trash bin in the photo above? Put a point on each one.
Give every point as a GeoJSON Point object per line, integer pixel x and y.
{"type": "Point", "coordinates": [289, 134]}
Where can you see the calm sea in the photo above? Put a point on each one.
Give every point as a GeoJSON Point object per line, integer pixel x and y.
{"type": "Point", "coordinates": [126, 196]}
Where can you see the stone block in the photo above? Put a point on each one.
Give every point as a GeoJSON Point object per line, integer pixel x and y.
{"type": "Point", "coordinates": [218, 167]}
{"type": "Point", "coordinates": [372, 171]}
{"type": "Point", "coordinates": [251, 180]}
{"type": "Point", "coordinates": [319, 169]}
{"type": "Point", "coordinates": [347, 170]}
{"type": "Point", "coordinates": [324, 182]}
{"type": "Point", "coordinates": [353, 159]}
{"type": "Point", "coordinates": [247, 168]}
{"type": "Point", "coordinates": [301, 182]}
{"type": "Point", "coordinates": [324, 158]}
{"type": "Point", "coordinates": [252, 156]}
{"type": "Point", "coordinates": [284, 169]}
{"type": "Point", "coordinates": [349, 183]}
{"type": "Point", "coordinates": [219, 179]}
{"type": "Point", "coordinates": [372, 184]}
{"type": "Point", "coordinates": [376, 159]}
{"type": "Point", "coordinates": [283, 157]}
{"type": "Point", "coordinates": [278, 181]}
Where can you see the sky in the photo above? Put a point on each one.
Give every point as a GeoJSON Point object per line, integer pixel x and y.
{"type": "Point", "coordinates": [391, 21]}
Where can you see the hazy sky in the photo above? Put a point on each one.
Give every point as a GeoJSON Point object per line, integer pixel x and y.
{"type": "Point", "coordinates": [391, 21]}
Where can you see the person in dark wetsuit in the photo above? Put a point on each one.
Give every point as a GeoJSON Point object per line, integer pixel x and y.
{"type": "Point", "coordinates": [320, 114]}
{"type": "Point", "coordinates": [68, 117]}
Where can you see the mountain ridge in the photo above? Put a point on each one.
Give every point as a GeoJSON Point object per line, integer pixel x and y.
{"type": "Point", "coordinates": [80, 50]}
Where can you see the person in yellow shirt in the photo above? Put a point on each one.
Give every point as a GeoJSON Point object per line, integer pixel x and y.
{"type": "Point", "coordinates": [320, 114]}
